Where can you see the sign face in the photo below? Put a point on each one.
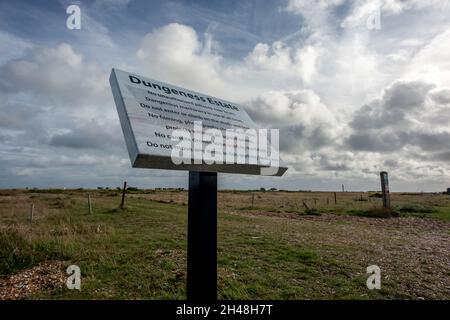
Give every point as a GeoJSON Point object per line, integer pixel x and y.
{"type": "Point", "coordinates": [168, 127]}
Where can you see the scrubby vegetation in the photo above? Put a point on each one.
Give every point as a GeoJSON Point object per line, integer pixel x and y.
{"type": "Point", "coordinates": [270, 246]}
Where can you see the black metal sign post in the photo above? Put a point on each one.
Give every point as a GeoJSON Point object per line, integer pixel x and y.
{"type": "Point", "coordinates": [202, 237]}
{"type": "Point", "coordinates": [385, 190]}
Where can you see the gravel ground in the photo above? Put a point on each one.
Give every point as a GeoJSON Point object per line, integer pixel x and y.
{"type": "Point", "coordinates": [48, 275]}
{"type": "Point", "coordinates": [413, 253]}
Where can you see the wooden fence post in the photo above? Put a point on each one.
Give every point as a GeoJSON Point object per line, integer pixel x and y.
{"type": "Point", "coordinates": [123, 194]}
{"type": "Point", "coordinates": [305, 205]}
{"type": "Point", "coordinates": [385, 190]}
{"type": "Point", "coordinates": [89, 204]}
{"type": "Point", "coordinates": [31, 212]}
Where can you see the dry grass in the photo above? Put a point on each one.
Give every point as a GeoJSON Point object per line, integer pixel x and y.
{"type": "Point", "coordinates": [269, 247]}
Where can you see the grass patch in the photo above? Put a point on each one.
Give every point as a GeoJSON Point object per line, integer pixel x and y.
{"type": "Point", "coordinates": [373, 213]}
{"type": "Point", "coordinates": [442, 214]}
{"type": "Point", "coordinates": [421, 211]}
{"type": "Point", "coordinates": [312, 212]}
{"type": "Point", "coordinates": [140, 252]}
{"type": "Point", "coordinates": [19, 252]}
{"type": "Point", "coordinates": [415, 208]}
{"type": "Point", "coordinates": [50, 191]}
{"type": "Point", "coordinates": [247, 208]}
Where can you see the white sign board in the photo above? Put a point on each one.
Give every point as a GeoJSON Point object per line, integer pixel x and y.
{"type": "Point", "coordinates": [151, 114]}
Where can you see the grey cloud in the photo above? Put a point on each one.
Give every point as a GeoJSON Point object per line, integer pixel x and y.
{"type": "Point", "coordinates": [390, 163]}
{"type": "Point", "coordinates": [397, 101]}
{"type": "Point", "coordinates": [17, 116]}
{"type": "Point", "coordinates": [374, 142]}
{"type": "Point", "coordinates": [305, 123]}
{"type": "Point", "coordinates": [441, 96]}
{"type": "Point", "coordinates": [87, 136]}
{"type": "Point", "coordinates": [73, 90]}
{"type": "Point", "coordinates": [330, 165]}
{"type": "Point", "coordinates": [58, 77]}
{"type": "Point", "coordinates": [392, 140]}
{"type": "Point", "coordinates": [298, 138]}
{"type": "Point", "coordinates": [431, 141]}
{"type": "Point", "coordinates": [442, 156]}
{"type": "Point", "coordinates": [402, 117]}
{"type": "Point", "coordinates": [406, 95]}
{"type": "Point", "coordinates": [76, 140]}
{"type": "Point", "coordinates": [289, 138]}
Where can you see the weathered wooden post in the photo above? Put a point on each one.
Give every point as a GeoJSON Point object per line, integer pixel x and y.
{"type": "Point", "coordinates": [305, 205]}
{"type": "Point", "coordinates": [123, 194]}
{"type": "Point", "coordinates": [31, 212]}
{"type": "Point", "coordinates": [335, 198]}
{"type": "Point", "coordinates": [385, 190]}
{"type": "Point", "coordinates": [89, 204]}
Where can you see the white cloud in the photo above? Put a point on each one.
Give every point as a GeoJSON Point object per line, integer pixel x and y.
{"type": "Point", "coordinates": [362, 9]}
{"type": "Point", "coordinates": [299, 5]}
{"type": "Point", "coordinates": [11, 47]}
{"type": "Point", "coordinates": [305, 123]}
{"type": "Point", "coordinates": [432, 63]}
{"type": "Point", "coordinates": [175, 54]}
{"type": "Point", "coordinates": [57, 76]}
{"type": "Point", "coordinates": [348, 101]}
{"type": "Point", "coordinates": [49, 97]}
{"type": "Point", "coordinates": [290, 107]}
{"type": "Point", "coordinates": [284, 60]}
{"type": "Point", "coordinates": [409, 122]}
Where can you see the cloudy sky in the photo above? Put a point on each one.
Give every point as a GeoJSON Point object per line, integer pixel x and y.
{"type": "Point", "coordinates": [354, 86]}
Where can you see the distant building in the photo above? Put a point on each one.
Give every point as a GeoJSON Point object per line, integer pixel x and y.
{"type": "Point", "coordinates": [448, 190]}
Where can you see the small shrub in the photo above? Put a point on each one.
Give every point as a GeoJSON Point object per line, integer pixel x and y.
{"type": "Point", "coordinates": [376, 195]}
{"type": "Point", "coordinates": [58, 204]}
{"type": "Point", "coordinates": [17, 252]}
{"type": "Point", "coordinates": [413, 208]}
{"type": "Point", "coordinates": [245, 208]}
{"type": "Point", "coordinates": [374, 213]}
{"type": "Point", "coordinates": [312, 212]}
